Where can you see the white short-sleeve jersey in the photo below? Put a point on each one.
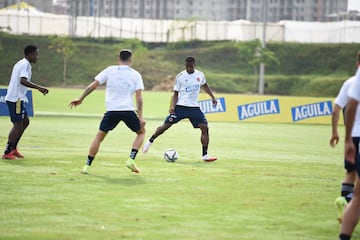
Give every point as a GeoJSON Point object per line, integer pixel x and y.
{"type": "Point", "coordinates": [354, 92]}
{"type": "Point", "coordinates": [121, 83]}
{"type": "Point", "coordinates": [342, 98]}
{"type": "Point", "coordinates": [16, 90]}
{"type": "Point", "coordinates": [188, 86]}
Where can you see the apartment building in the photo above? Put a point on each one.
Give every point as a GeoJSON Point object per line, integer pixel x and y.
{"type": "Point", "coordinates": [216, 10]}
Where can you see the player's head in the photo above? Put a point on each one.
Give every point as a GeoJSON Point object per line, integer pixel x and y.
{"type": "Point", "coordinates": [31, 53]}
{"type": "Point", "coordinates": [125, 56]}
{"type": "Point", "coordinates": [190, 64]}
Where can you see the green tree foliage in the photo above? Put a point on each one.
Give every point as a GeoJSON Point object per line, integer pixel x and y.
{"type": "Point", "coordinates": [64, 46]}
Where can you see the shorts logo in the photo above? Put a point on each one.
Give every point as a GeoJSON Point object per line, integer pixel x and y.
{"type": "Point", "coordinates": [172, 117]}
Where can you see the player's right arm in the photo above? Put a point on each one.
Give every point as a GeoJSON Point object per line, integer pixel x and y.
{"type": "Point", "coordinates": [334, 123]}
{"type": "Point", "coordinates": [91, 87]}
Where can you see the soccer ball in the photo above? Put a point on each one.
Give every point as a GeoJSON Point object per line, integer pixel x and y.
{"type": "Point", "coordinates": [170, 155]}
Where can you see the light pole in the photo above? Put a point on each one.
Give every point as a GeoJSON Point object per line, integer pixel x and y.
{"type": "Point", "coordinates": [263, 46]}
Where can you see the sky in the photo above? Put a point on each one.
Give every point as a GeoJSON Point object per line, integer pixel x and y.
{"type": "Point", "coordinates": [354, 5]}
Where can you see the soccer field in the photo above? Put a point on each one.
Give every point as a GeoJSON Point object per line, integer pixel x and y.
{"type": "Point", "coordinates": [272, 181]}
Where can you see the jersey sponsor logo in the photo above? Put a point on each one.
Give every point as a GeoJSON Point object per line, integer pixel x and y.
{"type": "Point", "coordinates": [198, 79]}
{"type": "Point", "coordinates": [311, 110]}
{"type": "Point", "coordinates": [207, 106]}
{"type": "Point", "coordinates": [257, 109]}
{"type": "Point", "coordinates": [192, 88]}
{"type": "Point", "coordinates": [28, 102]}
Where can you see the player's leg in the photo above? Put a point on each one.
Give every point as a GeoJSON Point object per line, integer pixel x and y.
{"type": "Point", "coordinates": [24, 124]}
{"type": "Point", "coordinates": [17, 119]}
{"type": "Point", "coordinates": [198, 120]}
{"type": "Point", "coordinates": [347, 189]}
{"type": "Point", "coordinates": [132, 121]}
{"type": "Point", "coordinates": [352, 211]}
{"type": "Point", "coordinates": [108, 123]}
{"type": "Point", "coordinates": [169, 121]}
{"type": "Point", "coordinates": [351, 214]}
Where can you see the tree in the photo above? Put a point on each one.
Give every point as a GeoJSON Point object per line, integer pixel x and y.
{"type": "Point", "coordinates": [254, 54]}
{"type": "Point", "coordinates": [66, 47]}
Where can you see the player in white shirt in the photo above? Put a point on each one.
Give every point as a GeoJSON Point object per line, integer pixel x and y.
{"type": "Point", "coordinates": [185, 104]}
{"type": "Point", "coordinates": [352, 211]}
{"type": "Point", "coordinates": [15, 97]}
{"type": "Point", "coordinates": [347, 186]}
{"type": "Point", "coordinates": [122, 83]}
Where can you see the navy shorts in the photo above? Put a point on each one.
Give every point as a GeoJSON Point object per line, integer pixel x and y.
{"type": "Point", "coordinates": [112, 118]}
{"type": "Point", "coordinates": [194, 114]}
{"type": "Point", "coordinates": [350, 167]}
{"type": "Point", "coordinates": [17, 111]}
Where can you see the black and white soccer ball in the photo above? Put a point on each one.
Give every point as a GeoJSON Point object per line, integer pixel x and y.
{"type": "Point", "coordinates": [170, 155]}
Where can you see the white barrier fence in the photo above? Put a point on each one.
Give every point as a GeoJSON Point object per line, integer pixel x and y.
{"type": "Point", "coordinates": [149, 30]}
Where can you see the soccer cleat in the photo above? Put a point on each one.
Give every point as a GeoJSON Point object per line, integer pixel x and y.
{"type": "Point", "coordinates": [85, 169]}
{"type": "Point", "coordinates": [130, 164]}
{"type": "Point", "coordinates": [341, 204]}
{"type": "Point", "coordinates": [146, 146]}
{"type": "Point", "coordinates": [17, 153]}
{"type": "Point", "coordinates": [206, 158]}
{"type": "Point", "coordinates": [9, 156]}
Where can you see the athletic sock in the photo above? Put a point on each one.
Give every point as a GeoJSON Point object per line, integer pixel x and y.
{"type": "Point", "coordinates": [89, 160]}
{"type": "Point", "coordinates": [347, 191]}
{"type": "Point", "coordinates": [344, 237]}
{"type": "Point", "coordinates": [152, 138]}
{"type": "Point", "coordinates": [9, 147]}
{"type": "Point", "coordinates": [204, 150]}
{"type": "Point", "coordinates": [16, 143]}
{"type": "Point", "coordinates": [133, 153]}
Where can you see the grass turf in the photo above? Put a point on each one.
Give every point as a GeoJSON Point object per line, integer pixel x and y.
{"type": "Point", "coordinates": [272, 181]}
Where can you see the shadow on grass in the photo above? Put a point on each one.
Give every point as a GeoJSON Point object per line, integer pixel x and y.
{"type": "Point", "coordinates": [125, 181]}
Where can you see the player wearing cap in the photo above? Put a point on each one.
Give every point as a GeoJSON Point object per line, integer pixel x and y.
{"type": "Point", "coordinates": [122, 82]}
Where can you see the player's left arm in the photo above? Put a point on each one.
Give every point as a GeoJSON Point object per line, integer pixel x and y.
{"type": "Point", "coordinates": [29, 84]}
{"type": "Point", "coordinates": [208, 90]}
{"type": "Point", "coordinates": [139, 106]}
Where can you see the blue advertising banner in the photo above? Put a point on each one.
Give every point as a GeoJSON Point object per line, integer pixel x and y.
{"type": "Point", "coordinates": [28, 103]}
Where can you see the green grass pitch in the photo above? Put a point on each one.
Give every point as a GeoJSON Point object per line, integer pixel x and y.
{"type": "Point", "coordinates": [272, 181]}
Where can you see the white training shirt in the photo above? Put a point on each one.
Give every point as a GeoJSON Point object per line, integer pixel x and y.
{"type": "Point", "coordinates": [342, 100]}
{"type": "Point", "coordinates": [121, 83]}
{"type": "Point", "coordinates": [354, 92]}
{"type": "Point", "coordinates": [188, 86]}
{"type": "Point", "coordinates": [16, 90]}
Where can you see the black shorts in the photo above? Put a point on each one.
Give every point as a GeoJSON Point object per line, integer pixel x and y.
{"type": "Point", "coordinates": [194, 114]}
{"type": "Point", "coordinates": [350, 167]}
{"type": "Point", "coordinates": [112, 118]}
{"type": "Point", "coordinates": [17, 110]}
